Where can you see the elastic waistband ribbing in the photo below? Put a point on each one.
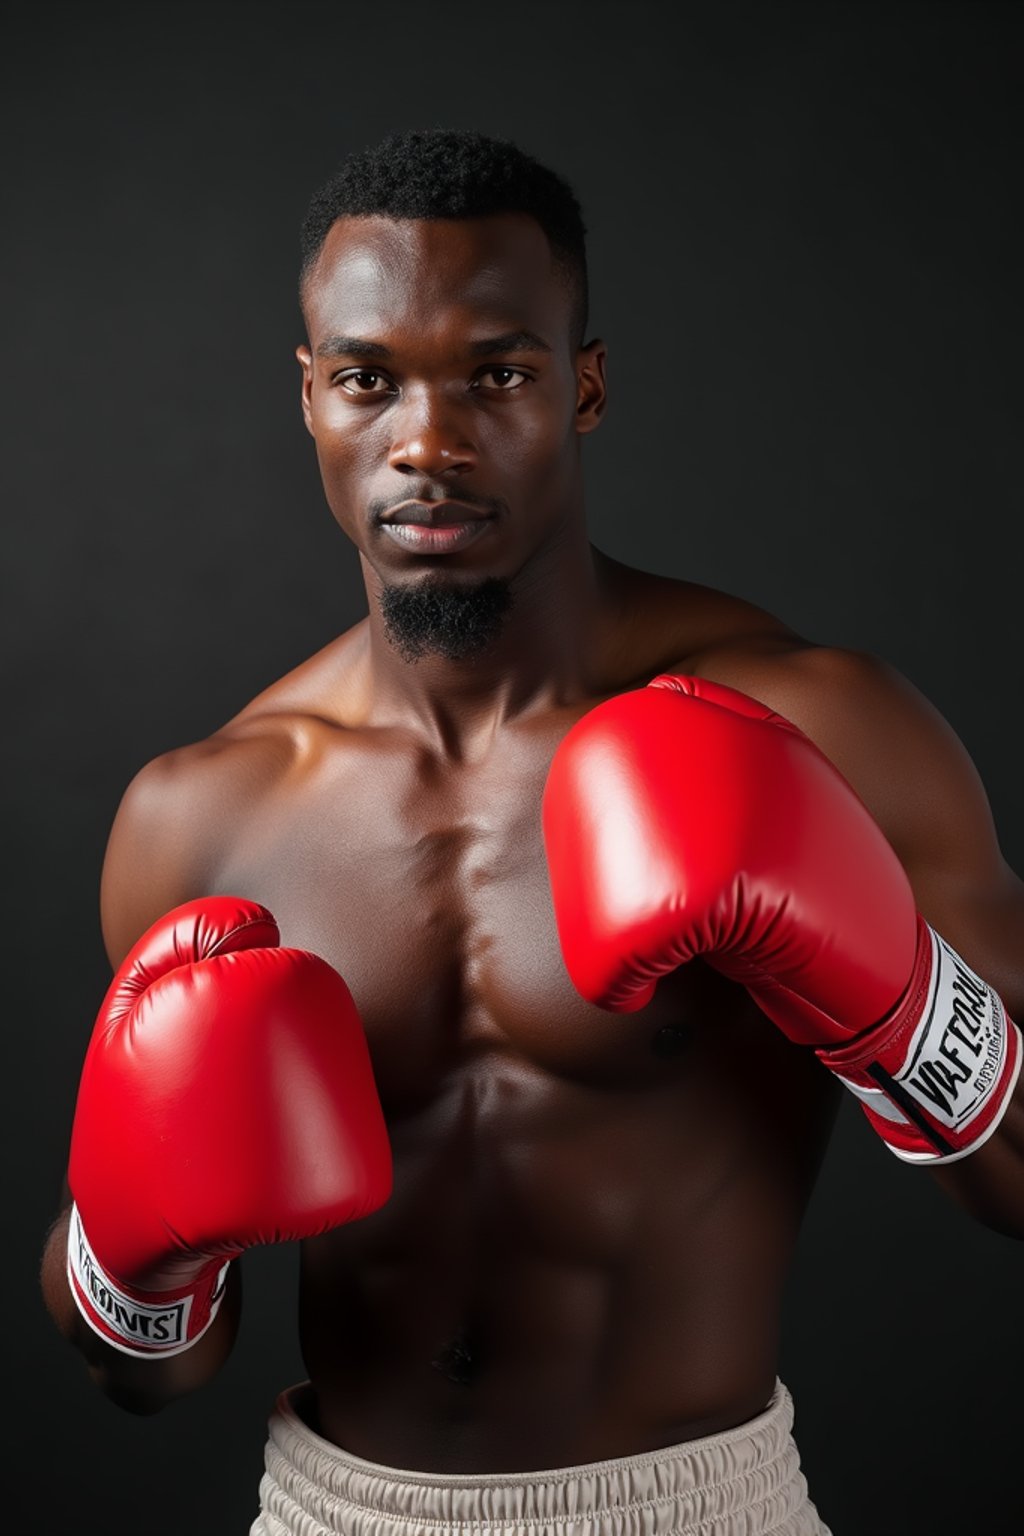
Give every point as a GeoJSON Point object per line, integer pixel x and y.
{"type": "Point", "coordinates": [742, 1482]}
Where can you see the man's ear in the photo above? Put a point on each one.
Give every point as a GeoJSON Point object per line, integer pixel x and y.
{"type": "Point", "coordinates": [591, 387]}
{"type": "Point", "coordinates": [305, 358]}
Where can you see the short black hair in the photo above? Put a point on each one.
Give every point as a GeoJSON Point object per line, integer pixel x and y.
{"type": "Point", "coordinates": [447, 173]}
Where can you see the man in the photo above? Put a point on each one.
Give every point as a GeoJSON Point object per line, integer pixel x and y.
{"type": "Point", "coordinates": [614, 948]}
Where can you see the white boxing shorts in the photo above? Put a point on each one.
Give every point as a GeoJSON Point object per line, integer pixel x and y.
{"type": "Point", "coordinates": [744, 1481]}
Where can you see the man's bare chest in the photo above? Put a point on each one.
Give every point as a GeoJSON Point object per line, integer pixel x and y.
{"type": "Point", "coordinates": [508, 1098]}
{"type": "Point", "coordinates": [427, 888]}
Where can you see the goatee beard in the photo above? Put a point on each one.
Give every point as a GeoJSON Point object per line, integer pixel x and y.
{"type": "Point", "coordinates": [437, 616]}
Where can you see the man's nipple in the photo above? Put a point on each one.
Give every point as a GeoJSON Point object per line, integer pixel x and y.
{"type": "Point", "coordinates": [670, 1040]}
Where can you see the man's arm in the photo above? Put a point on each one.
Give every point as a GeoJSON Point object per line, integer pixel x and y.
{"type": "Point", "coordinates": [150, 866]}
{"type": "Point", "coordinates": [917, 779]}
{"type": "Point", "coordinates": [138, 1385]}
{"type": "Point", "coordinates": [189, 1144]}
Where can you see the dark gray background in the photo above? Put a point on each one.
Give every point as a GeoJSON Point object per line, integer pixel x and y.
{"type": "Point", "coordinates": [806, 260]}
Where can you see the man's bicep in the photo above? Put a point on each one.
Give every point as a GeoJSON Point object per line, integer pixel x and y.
{"type": "Point", "coordinates": [918, 780]}
{"type": "Point", "coordinates": [921, 784]}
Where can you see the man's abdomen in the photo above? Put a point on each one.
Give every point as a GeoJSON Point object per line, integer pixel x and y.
{"type": "Point", "coordinates": [565, 1273]}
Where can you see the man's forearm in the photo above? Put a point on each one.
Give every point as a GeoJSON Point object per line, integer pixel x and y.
{"type": "Point", "coordinates": [140, 1385]}
{"type": "Point", "coordinates": [989, 1184]}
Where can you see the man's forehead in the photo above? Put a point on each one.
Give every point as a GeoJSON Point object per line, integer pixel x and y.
{"type": "Point", "coordinates": [381, 265]}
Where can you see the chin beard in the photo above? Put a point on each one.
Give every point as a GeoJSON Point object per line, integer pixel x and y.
{"type": "Point", "coordinates": [436, 616]}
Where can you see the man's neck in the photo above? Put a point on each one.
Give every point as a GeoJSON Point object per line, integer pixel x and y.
{"type": "Point", "coordinates": [546, 655]}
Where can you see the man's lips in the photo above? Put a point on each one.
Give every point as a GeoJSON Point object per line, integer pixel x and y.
{"type": "Point", "coordinates": [435, 514]}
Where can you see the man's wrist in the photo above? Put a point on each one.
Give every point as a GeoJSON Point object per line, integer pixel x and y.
{"type": "Point", "coordinates": [144, 1324]}
{"type": "Point", "coordinates": [936, 1076]}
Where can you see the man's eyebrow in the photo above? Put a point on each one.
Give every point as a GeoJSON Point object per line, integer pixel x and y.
{"type": "Point", "coordinates": [510, 341]}
{"type": "Point", "coordinates": [377, 352]}
{"type": "Point", "coordinates": [353, 346]}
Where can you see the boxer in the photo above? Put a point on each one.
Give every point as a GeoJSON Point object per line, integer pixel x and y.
{"type": "Point", "coordinates": [513, 952]}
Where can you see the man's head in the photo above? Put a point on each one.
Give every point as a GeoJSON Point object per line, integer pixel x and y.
{"type": "Point", "coordinates": [447, 174]}
{"type": "Point", "coordinates": [445, 296]}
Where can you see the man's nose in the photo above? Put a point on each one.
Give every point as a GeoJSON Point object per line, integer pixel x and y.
{"type": "Point", "coordinates": [429, 445]}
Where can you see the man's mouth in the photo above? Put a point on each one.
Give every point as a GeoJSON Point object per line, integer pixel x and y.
{"type": "Point", "coordinates": [437, 537]}
{"type": "Point", "coordinates": [434, 514]}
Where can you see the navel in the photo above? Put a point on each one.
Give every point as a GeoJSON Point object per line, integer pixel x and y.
{"type": "Point", "coordinates": [458, 1360]}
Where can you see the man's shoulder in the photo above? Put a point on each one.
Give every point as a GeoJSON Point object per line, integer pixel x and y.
{"type": "Point", "coordinates": [781, 667]}
{"type": "Point", "coordinates": [889, 741]}
{"type": "Point", "coordinates": [185, 808]}
{"type": "Point", "coordinates": [175, 816]}
{"type": "Point", "coordinates": [321, 689]}
{"type": "Point", "coordinates": [829, 691]}
{"type": "Point", "coordinates": [276, 727]}
{"type": "Point", "coordinates": [685, 626]}
{"type": "Point", "coordinates": [846, 700]}
{"type": "Point", "coordinates": [863, 713]}
{"type": "Point", "coordinates": [689, 627]}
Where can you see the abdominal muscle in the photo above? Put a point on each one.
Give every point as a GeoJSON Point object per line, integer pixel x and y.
{"type": "Point", "coordinates": [576, 1276]}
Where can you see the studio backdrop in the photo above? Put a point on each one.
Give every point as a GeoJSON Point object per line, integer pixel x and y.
{"type": "Point", "coordinates": [805, 255]}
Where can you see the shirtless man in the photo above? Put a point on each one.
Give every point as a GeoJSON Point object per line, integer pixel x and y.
{"type": "Point", "coordinates": [594, 1204]}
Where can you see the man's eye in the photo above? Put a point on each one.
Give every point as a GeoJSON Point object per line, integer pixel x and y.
{"type": "Point", "coordinates": [363, 382]}
{"type": "Point", "coordinates": [502, 377]}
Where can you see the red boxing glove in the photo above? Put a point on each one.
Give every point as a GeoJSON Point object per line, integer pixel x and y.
{"type": "Point", "coordinates": [227, 1099]}
{"type": "Point", "coordinates": [686, 819]}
